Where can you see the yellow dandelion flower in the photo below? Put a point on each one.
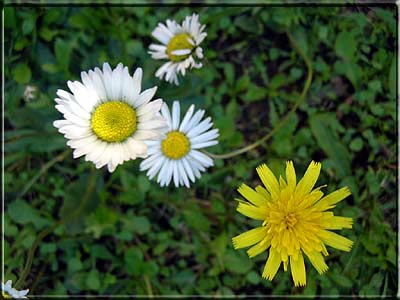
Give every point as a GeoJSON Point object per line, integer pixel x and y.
{"type": "Point", "coordinates": [296, 221]}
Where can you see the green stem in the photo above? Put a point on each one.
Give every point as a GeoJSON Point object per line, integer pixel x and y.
{"type": "Point", "coordinates": [148, 286]}
{"type": "Point", "coordinates": [288, 115]}
{"type": "Point", "coordinates": [43, 170]}
{"type": "Point", "coordinates": [45, 232]}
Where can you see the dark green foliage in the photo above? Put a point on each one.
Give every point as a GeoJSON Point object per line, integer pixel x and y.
{"type": "Point", "coordinates": [138, 238]}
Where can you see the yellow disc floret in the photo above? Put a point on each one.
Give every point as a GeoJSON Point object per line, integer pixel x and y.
{"type": "Point", "coordinates": [114, 121]}
{"type": "Point", "coordinates": [179, 42]}
{"type": "Point", "coordinates": [176, 145]}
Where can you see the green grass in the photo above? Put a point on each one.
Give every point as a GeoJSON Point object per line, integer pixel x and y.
{"type": "Point", "coordinates": [137, 238]}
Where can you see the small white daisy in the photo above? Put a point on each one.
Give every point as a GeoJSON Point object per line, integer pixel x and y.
{"type": "Point", "coordinates": [177, 156]}
{"type": "Point", "coordinates": [107, 118]}
{"type": "Point", "coordinates": [180, 46]}
{"type": "Point", "coordinates": [9, 292]}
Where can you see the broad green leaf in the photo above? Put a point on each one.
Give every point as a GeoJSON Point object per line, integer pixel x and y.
{"type": "Point", "coordinates": [22, 73]}
{"type": "Point", "coordinates": [133, 259]}
{"type": "Point", "coordinates": [333, 148]}
{"type": "Point", "coordinates": [93, 280]}
{"type": "Point", "coordinates": [351, 70]}
{"type": "Point", "coordinates": [141, 224]}
{"type": "Point", "coordinates": [23, 213]}
{"type": "Point", "coordinates": [237, 263]}
{"type": "Point", "coordinates": [345, 45]}
{"type": "Point", "coordinates": [63, 50]}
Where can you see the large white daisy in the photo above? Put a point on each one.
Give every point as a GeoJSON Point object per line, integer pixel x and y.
{"type": "Point", "coordinates": [9, 292]}
{"type": "Point", "coordinates": [107, 118]}
{"type": "Point", "coordinates": [177, 155]}
{"type": "Point", "coordinates": [180, 46]}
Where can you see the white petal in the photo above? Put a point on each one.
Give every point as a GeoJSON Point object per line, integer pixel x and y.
{"type": "Point", "coordinates": [152, 107]}
{"type": "Point", "coordinates": [142, 135]}
{"type": "Point", "coordinates": [186, 118]}
{"type": "Point", "coordinates": [137, 148]}
{"type": "Point", "coordinates": [176, 174]}
{"type": "Point", "coordinates": [204, 145]}
{"type": "Point", "coordinates": [176, 115]}
{"type": "Point", "coordinates": [200, 128]}
{"type": "Point", "coordinates": [183, 174]}
{"type": "Point", "coordinates": [155, 168]}
{"type": "Point", "coordinates": [194, 121]}
{"type": "Point", "coordinates": [201, 157]}
{"type": "Point", "coordinates": [188, 168]}
{"type": "Point", "coordinates": [145, 97]}
{"type": "Point", "coordinates": [209, 135]}
{"type": "Point", "coordinates": [181, 52]}
{"type": "Point", "coordinates": [166, 114]}
{"type": "Point", "coordinates": [165, 175]}
{"type": "Point", "coordinates": [149, 161]}
{"type": "Point", "coordinates": [158, 48]}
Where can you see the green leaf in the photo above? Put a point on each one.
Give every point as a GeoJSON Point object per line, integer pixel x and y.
{"type": "Point", "coordinates": [254, 93]}
{"type": "Point", "coordinates": [141, 224]}
{"type": "Point", "coordinates": [321, 128]}
{"type": "Point", "coordinates": [133, 260]}
{"type": "Point", "coordinates": [351, 70]}
{"type": "Point", "coordinates": [23, 213]}
{"type": "Point", "coordinates": [236, 263]}
{"type": "Point", "coordinates": [195, 219]}
{"type": "Point", "coordinates": [253, 277]}
{"type": "Point", "coordinates": [356, 144]}
{"type": "Point", "coordinates": [74, 264]}
{"type": "Point", "coordinates": [72, 204]}
{"type": "Point", "coordinates": [93, 280]}
{"type": "Point", "coordinates": [340, 279]}
{"type": "Point", "coordinates": [46, 248]}
{"type": "Point", "coordinates": [62, 50]}
{"type": "Point", "coordinates": [229, 72]}
{"type": "Point", "coordinates": [345, 45]}
{"type": "Point", "coordinates": [29, 23]}
{"type": "Point", "coordinates": [22, 73]}
{"type": "Point", "coordinates": [300, 35]}
{"type": "Point", "coordinates": [247, 24]}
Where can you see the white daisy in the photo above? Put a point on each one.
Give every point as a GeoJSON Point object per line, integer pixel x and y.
{"type": "Point", "coordinates": [107, 118]}
{"type": "Point", "coordinates": [9, 292]}
{"type": "Point", "coordinates": [180, 46]}
{"type": "Point", "coordinates": [177, 156]}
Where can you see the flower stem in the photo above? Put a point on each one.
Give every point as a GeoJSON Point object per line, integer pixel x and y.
{"type": "Point", "coordinates": [148, 286]}
{"type": "Point", "coordinates": [307, 85]}
{"type": "Point", "coordinates": [45, 232]}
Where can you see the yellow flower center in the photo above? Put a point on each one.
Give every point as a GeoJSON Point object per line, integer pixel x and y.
{"type": "Point", "coordinates": [176, 145]}
{"type": "Point", "coordinates": [114, 121]}
{"type": "Point", "coordinates": [6, 295]}
{"type": "Point", "coordinates": [179, 42]}
{"type": "Point", "coordinates": [290, 220]}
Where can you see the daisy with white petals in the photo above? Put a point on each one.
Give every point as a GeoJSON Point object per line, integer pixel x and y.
{"type": "Point", "coordinates": [180, 46]}
{"type": "Point", "coordinates": [9, 292]}
{"type": "Point", "coordinates": [107, 118]}
{"type": "Point", "coordinates": [177, 156]}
